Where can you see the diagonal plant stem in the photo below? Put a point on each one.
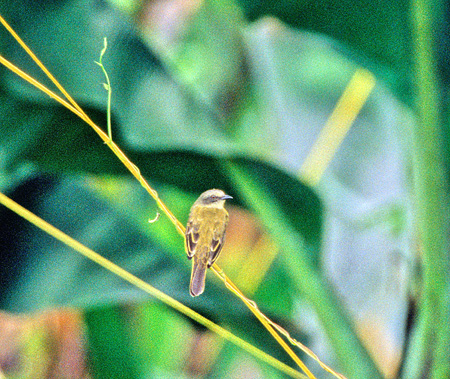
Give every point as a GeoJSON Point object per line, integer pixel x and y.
{"type": "Point", "coordinates": [180, 227]}
{"type": "Point", "coordinates": [293, 341]}
{"type": "Point", "coordinates": [351, 353]}
{"type": "Point", "coordinates": [73, 106]}
{"type": "Point", "coordinates": [100, 260]}
{"type": "Point", "coordinates": [339, 123]}
{"type": "Point", "coordinates": [337, 126]}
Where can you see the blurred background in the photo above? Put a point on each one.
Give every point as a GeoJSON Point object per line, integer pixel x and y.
{"type": "Point", "coordinates": [215, 94]}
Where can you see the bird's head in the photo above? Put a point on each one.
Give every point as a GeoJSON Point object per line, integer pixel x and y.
{"type": "Point", "coordinates": [213, 198]}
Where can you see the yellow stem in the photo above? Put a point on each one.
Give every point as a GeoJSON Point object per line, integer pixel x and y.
{"type": "Point", "coordinates": [110, 266]}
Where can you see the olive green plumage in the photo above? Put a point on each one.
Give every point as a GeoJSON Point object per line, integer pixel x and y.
{"type": "Point", "coordinates": [205, 234]}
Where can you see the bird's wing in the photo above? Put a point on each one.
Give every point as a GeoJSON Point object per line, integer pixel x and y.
{"type": "Point", "coordinates": [218, 239]}
{"type": "Point", "coordinates": [192, 236]}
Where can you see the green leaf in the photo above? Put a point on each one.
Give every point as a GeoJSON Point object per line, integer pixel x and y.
{"type": "Point", "coordinates": [226, 92]}
{"type": "Point", "coordinates": [379, 31]}
{"type": "Point", "coordinates": [306, 277]}
{"type": "Point", "coordinates": [68, 278]}
{"type": "Point", "coordinates": [110, 352]}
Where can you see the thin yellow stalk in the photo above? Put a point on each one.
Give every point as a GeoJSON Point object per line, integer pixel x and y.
{"type": "Point", "coordinates": [40, 64]}
{"type": "Point", "coordinates": [73, 106]}
{"type": "Point", "coordinates": [337, 126]}
{"type": "Point", "coordinates": [110, 266]}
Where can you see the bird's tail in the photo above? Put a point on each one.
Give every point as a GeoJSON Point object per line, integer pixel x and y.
{"type": "Point", "coordinates": [197, 278]}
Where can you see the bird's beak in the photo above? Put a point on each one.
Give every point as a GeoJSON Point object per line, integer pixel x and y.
{"type": "Point", "coordinates": [226, 197]}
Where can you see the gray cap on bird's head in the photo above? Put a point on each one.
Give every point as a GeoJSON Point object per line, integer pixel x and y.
{"type": "Point", "coordinates": [213, 197]}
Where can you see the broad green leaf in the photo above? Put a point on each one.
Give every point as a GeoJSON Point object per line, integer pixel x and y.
{"type": "Point", "coordinates": [379, 31]}
{"type": "Point", "coordinates": [110, 348]}
{"type": "Point", "coordinates": [255, 94]}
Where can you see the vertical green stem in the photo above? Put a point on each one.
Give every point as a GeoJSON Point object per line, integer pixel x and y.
{"type": "Point", "coordinates": [430, 344]}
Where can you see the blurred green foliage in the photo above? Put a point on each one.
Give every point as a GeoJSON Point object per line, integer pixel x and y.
{"type": "Point", "coordinates": [219, 95]}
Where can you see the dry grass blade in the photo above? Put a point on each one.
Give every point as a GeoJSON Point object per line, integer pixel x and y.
{"type": "Point", "coordinates": [262, 318]}
{"type": "Point", "coordinates": [267, 321]}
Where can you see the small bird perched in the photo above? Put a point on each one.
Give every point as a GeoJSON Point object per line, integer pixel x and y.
{"type": "Point", "coordinates": [205, 233]}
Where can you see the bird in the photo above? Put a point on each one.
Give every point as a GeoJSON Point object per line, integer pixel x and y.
{"type": "Point", "coordinates": [205, 235]}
